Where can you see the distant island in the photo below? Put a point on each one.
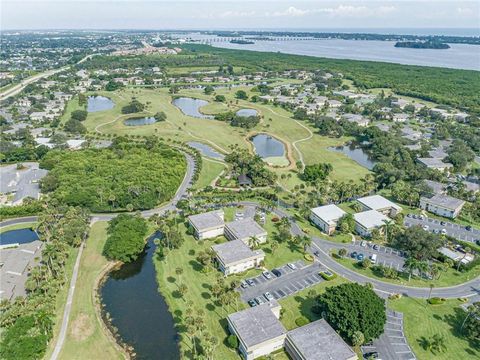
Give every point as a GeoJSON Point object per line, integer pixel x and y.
{"type": "Point", "coordinates": [242, 42]}
{"type": "Point", "coordinates": [422, 45]}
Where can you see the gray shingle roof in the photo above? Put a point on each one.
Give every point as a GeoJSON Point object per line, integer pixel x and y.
{"type": "Point", "coordinates": [445, 201]}
{"type": "Point", "coordinates": [207, 220]}
{"type": "Point", "coordinates": [319, 341]}
{"type": "Point", "coordinates": [257, 324]}
{"type": "Point", "coordinates": [234, 251]}
{"type": "Point", "coordinates": [246, 228]}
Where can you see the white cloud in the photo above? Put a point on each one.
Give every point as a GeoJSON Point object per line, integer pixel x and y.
{"type": "Point", "coordinates": [466, 12]}
{"type": "Point", "coordinates": [233, 14]}
{"type": "Point", "coordinates": [339, 11]}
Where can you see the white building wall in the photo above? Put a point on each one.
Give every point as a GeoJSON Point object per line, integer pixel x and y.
{"type": "Point", "coordinates": [210, 234]}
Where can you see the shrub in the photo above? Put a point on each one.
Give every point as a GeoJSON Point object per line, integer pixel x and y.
{"type": "Point", "coordinates": [232, 342]}
{"type": "Point", "coordinates": [328, 276]}
{"type": "Point", "coordinates": [308, 257]}
{"type": "Point", "coordinates": [301, 321]}
{"type": "Point", "coordinates": [436, 300]}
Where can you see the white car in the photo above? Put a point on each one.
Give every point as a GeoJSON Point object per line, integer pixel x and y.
{"type": "Point", "coordinates": [425, 227]}
{"type": "Point", "coordinates": [267, 275]}
{"type": "Point", "coordinates": [268, 296]}
{"type": "Point", "coordinates": [444, 231]}
{"type": "Point", "coordinates": [291, 266]}
{"type": "Point", "coordinates": [363, 243]}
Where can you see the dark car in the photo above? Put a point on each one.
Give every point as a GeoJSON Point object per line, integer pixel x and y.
{"type": "Point", "coordinates": [376, 247]}
{"type": "Point", "coordinates": [442, 223]}
{"type": "Point", "coordinates": [276, 272]}
{"type": "Point", "coordinates": [316, 253]}
{"type": "Point", "coordinates": [360, 257]}
{"type": "Point", "coordinates": [252, 303]}
{"type": "Point", "coordinates": [250, 282]}
{"type": "Point", "coordinates": [354, 255]}
{"type": "Point", "coordinates": [468, 227]}
{"type": "Point", "coordinates": [371, 355]}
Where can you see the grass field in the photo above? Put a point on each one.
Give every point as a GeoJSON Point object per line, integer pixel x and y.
{"type": "Point", "coordinates": [86, 337]}
{"type": "Point", "coordinates": [422, 321]}
{"type": "Point", "coordinates": [448, 278]}
{"type": "Point", "coordinates": [17, 226]}
{"type": "Point", "coordinates": [210, 170]}
{"type": "Point", "coordinates": [275, 121]}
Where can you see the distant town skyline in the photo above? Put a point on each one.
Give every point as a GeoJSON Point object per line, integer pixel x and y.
{"type": "Point", "coordinates": [229, 14]}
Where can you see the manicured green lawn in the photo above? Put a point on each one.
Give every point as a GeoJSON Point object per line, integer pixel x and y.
{"type": "Point", "coordinates": [422, 321]}
{"type": "Point", "coordinates": [210, 170]}
{"type": "Point", "coordinates": [86, 337]}
{"type": "Point", "coordinates": [300, 304]}
{"type": "Point", "coordinates": [18, 226]}
{"type": "Point", "coordinates": [448, 278]}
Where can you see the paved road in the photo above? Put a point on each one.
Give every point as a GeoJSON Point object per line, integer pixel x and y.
{"type": "Point", "coordinates": [15, 221]}
{"type": "Point", "coordinates": [18, 88]}
{"type": "Point", "coordinates": [456, 231]}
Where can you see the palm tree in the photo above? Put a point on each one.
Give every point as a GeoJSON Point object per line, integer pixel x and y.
{"type": "Point", "coordinates": [411, 264]}
{"type": "Point", "coordinates": [386, 227]}
{"type": "Point", "coordinates": [306, 242]}
{"type": "Point", "coordinates": [253, 242]}
{"type": "Point", "coordinates": [274, 246]}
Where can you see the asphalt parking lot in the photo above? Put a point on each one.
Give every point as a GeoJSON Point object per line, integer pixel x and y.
{"type": "Point", "coordinates": [289, 282]}
{"type": "Point", "coordinates": [392, 344]}
{"type": "Point", "coordinates": [454, 230]}
{"type": "Point", "coordinates": [385, 255]}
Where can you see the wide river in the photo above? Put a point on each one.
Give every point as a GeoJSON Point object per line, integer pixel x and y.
{"type": "Point", "coordinates": [459, 56]}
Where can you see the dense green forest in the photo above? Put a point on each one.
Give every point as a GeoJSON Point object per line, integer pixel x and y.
{"type": "Point", "coordinates": [127, 178]}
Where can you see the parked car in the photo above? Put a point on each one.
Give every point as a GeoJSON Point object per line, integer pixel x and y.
{"type": "Point", "coordinates": [360, 257]}
{"type": "Point", "coordinates": [409, 215]}
{"type": "Point", "coordinates": [373, 258]}
{"type": "Point", "coordinates": [243, 284]}
{"type": "Point", "coordinates": [250, 282]}
{"type": "Point", "coordinates": [327, 275]}
{"type": "Point", "coordinates": [425, 227]}
{"type": "Point", "coordinates": [444, 231]}
{"type": "Point", "coordinates": [376, 247]}
{"type": "Point", "coordinates": [291, 266]}
{"type": "Point", "coordinates": [468, 227]}
{"type": "Point", "coordinates": [259, 300]}
{"type": "Point", "coordinates": [371, 355]}
{"type": "Point", "coordinates": [252, 303]}
{"type": "Point", "coordinates": [354, 255]}
{"type": "Point", "coordinates": [276, 272]}
{"type": "Point", "coordinates": [316, 253]}
{"type": "Point", "coordinates": [268, 296]}
{"type": "Point", "coordinates": [442, 223]}
{"type": "Point", "coordinates": [363, 243]}
{"type": "Point", "coordinates": [267, 275]}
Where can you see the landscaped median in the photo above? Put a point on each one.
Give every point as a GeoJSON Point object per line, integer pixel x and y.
{"type": "Point", "coordinates": [450, 277]}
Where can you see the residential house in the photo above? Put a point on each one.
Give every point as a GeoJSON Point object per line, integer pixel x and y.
{"type": "Point", "coordinates": [207, 225]}
{"type": "Point", "coordinates": [434, 163]}
{"type": "Point", "coordinates": [326, 217]}
{"type": "Point", "coordinates": [235, 257]}
{"type": "Point", "coordinates": [442, 205]}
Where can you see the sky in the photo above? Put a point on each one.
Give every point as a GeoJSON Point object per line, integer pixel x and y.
{"type": "Point", "coordinates": [237, 14]}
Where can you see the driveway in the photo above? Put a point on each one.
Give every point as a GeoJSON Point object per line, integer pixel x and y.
{"type": "Point", "coordinates": [289, 282]}
{"type": "Point", "coordinates": [454, 230]}
{"type": "Point", "coordinates": [392, 344]}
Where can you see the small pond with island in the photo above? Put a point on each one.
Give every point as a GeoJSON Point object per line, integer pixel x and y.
{"type": "Point", "coordinates": [99, 103]}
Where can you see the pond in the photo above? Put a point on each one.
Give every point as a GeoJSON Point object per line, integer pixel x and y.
{"type": "Point", "coordinates": [267, 146]}
{"type": "Point", "coordinates": [206, 150]}
{"type": "Point", "coordinates": [355, 153]}
{"type": "Point", "coordinates": [191, 107]}
{"type": "Point", "coordinates": [247, 112]}
{"type": "Point", "coordinates": [140, 121]}
{"type": "Point", "coordinates": [139, 312]}
{"type": "Point", "coordinates": [99, 103]}
{"type": "Point", "coordinates": [19, 236]}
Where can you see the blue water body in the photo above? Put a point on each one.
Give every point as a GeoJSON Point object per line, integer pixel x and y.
{"type": "Point", "coordinates": [459, 56]}
{"type": "Point", "coordinates": [247, 112]}
{"type": "Point", "coordinates": [206, 150]}
{"type": "Point", "coordinates": [267, 146]}
{"type": "Point", "coordinates": [139, 312]}
{"type": "Point", "coordinates": [140, 121]}
{"type": "Point", "coordinates": [355, 153]}
{"type": "Point", "coordinates": [19, 236]}
{"type": "Point", "coordinates": [99, 103]}
{"type": "Point", "coordinates": [191, 107]}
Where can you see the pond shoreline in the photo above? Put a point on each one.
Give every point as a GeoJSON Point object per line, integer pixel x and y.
{"type": "Point", "coordinates": [288, 150]}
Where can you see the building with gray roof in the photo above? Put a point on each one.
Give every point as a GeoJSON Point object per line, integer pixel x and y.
{"type": "Point", "coordinates": [379, 203]}
{"type": "Point", "coordinates": [442, 205]}
{"type": "Point", "coordinates": [434, 163]}
{"type": "Point", "coordinates": [435, 186]}
{"type": "Point", "coordinates": [244, 230]}
{"type": "Point", "coordinates": [317, 341]}
{"type": "Point", "coordinates": [366, 221]}
{"type": "Point", "coordinates": [18, 184]}
{"type": "Point", "coordinates": [235, 257]}
{"type": "Point", "coordinates": [326, 217]}
{"type": "Point", "coordinates": [258, 329]}
{"type": "Point", "coordinates": [207, 225]}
